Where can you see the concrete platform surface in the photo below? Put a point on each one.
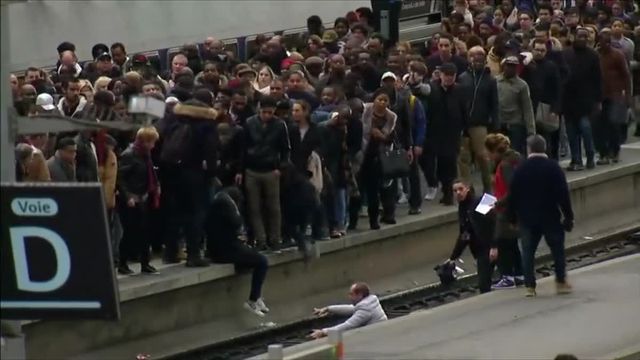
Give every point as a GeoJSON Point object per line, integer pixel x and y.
{"type": "Point", "coordinates": [600, 320]}
{"type": "Point", "coordinates": [177, 276]}
{"type": "Point", "coordinates": [204, 306]}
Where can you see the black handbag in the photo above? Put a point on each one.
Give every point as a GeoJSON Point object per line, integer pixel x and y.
{"type": "Point", "coordinates": [394, 163]}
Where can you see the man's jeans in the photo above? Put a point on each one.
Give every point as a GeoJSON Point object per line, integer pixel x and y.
{"type": "Point", "coordinates": [608, 131]}
{"type": "Point", "coordinates": [529, 240]}
{"type": "Point", "coordinates": [339, 209]}
{"type": "Point", "coordinates": [518, 136]}
{"type": "Point", "coordinates": [578, 131]}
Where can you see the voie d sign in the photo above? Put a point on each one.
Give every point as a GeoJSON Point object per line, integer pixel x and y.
{"type": "Point", "coordinates": [34, 207]}
{"type": "Point", "coordinates": [45, 257]}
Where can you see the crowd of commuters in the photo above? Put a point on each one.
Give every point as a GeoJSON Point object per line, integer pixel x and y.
{"type": "Point", "coordinates": [296, 134]}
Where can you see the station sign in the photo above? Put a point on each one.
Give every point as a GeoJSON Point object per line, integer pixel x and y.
{"type": "Point", "coordinates": [56, 253]}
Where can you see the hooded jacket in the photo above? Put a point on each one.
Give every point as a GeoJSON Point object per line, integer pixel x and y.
{"type": "Point", "coordinates": [223, 226]}
{"type": "Point", "coordinates": [77, 113]}
{"type": "Point", "coordinates": [204, 145]}
{"type": "Point", "coordinates": [367, 311]}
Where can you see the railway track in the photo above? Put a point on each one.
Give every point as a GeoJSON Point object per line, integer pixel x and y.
{"type": "Point", "coordinates": [404, 303]}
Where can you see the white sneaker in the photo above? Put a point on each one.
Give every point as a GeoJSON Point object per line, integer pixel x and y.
{"type": "Point", "coordinates": [431, 193]}
{"type": "Point", "coordinates": [252, 306]}
{"type": "Point", "coordinates": [403, 198]}
{"type": "Point", "coordinates": [262, 306]}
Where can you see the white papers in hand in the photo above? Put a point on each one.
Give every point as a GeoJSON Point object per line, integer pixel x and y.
{"type": "Point", "coordinates": [486, 204]}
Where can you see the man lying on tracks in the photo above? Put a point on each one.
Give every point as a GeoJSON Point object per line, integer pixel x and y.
{"type": "Point", "coordinates": [366, 309]}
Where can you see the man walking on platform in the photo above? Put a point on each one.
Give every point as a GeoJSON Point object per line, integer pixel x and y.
{"type": "Point", "coordinates": [476, 231]}
{"type": "Point", "coordinates": [539, 193]}
{"type": "Point", "coordinates": [585, 88]}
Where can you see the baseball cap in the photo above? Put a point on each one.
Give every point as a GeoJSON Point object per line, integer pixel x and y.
{"type": "Point", "coordinates": [139, 59]}
{"type": "Point", "coordinates": [244, 68]}
{"type": "Point", "coordinates": [449, 69]}
{"type": "Point", "coordinates": [172, 100]}
{"type": "Point", "coordinates": [513, 44]}
{"type": "Point", "coordinates": [329, 36]}
{"type": "Point", "coordinates": [511, 60]}
{"type": "Point", "coordinates": [103, 55]}
{"type": "Point", "coordinates": [45, 101]}
{"type": "Point", "coordinates": [389, 74]}
{"type": "Point", "coordinates": [99, 49]}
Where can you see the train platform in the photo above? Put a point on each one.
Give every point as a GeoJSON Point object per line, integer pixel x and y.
{"type": "Point", "coordinates": [599, 320]}
{"type": "Point", "coordinates": [203, 306]}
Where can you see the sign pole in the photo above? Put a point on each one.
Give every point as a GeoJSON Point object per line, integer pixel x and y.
{"type": "Point", "coordinates": [6, 136]}
{"type": "Point", "coordinates": [13, 345]}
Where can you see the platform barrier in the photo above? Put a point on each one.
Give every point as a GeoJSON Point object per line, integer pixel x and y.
{"type": "Point", "coordinates": [333, 350]}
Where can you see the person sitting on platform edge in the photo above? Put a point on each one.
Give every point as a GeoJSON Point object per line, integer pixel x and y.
{"type": "Point", "coordinates": [224, 229]}
{"type": "Point", "coordinates": [476, 231]}
{"type": "Point", "coordinates": [366, 310]}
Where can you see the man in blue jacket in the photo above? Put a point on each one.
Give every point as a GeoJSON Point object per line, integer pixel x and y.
{"type": "Point", "coordinates": [418, 121]}
{"type": "Point", "coordinates": [540, 204]}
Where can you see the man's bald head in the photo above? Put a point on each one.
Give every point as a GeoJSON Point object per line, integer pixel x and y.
{"type": "Point", "coordinates": [477, 50]}
{"type": "Point", "coordinates": [361, 289]}
{"type": "Point", "coordinates": [296, 56]}
{"type": "Point", "coordinates": [28, 91]}
{"type": "Point", "coordinates": [67, 58]}
{"type": "Point", "coordinates": [477, 58]}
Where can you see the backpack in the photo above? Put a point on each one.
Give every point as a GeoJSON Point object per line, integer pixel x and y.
{"type": "Point", "coordinates": [446, 272]}
{"type": "Point", "coordinates": [176, 143]}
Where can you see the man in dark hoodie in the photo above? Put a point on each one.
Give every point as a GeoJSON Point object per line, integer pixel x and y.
{"type": "Point", "coordinates": [585, 86]}
{"type": "Point", "coordinates": [476, 231]}
{"type": "Point", "coordinates": [224, 230]}
{"type": "Point", "coordinates": [188, 177]}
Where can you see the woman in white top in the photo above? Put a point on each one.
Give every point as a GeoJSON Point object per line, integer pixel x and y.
{"type": "Point", "coordinates": [265, 77]}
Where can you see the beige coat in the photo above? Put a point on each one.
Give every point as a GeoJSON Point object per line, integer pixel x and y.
{"type": "Point", "coordinates": [107, 174]}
